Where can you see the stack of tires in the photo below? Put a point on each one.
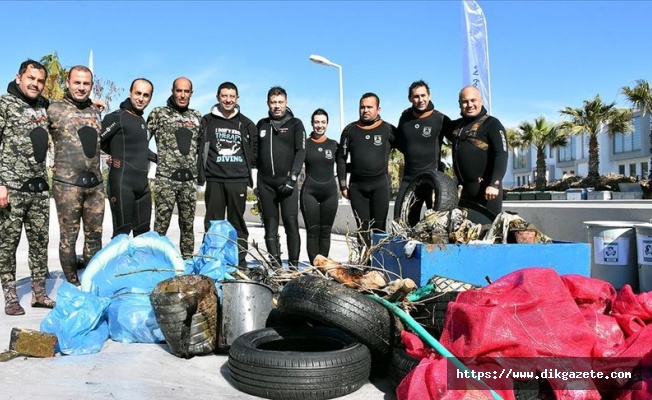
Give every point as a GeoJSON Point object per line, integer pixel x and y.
{"type": "Point", "coordinates": [350, 337]}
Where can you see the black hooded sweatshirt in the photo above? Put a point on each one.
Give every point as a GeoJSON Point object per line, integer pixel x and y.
{"type": "Point", "coordinates": [228, 147]}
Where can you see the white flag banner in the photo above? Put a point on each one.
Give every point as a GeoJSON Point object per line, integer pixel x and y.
{"type": "Point", "coordinates": [91, 67]}
{"type": "Point", "coordinates": [476, 52]}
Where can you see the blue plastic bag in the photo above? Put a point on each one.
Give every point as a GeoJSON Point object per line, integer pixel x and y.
{"type": "Point", "coordinates": [132, 319]}
{"type": "Point", "coordinates": [141, 263]}
{"type": "Point", "coordinates": [78, 320]}
{"type": "Point", "coordinates": [126, 271]}
{"type": "Point", "coordinates": [218, 253]}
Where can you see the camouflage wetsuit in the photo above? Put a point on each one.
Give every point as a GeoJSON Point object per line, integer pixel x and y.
{"type": "Point", "coordinates": [77, 183]}
{"type": "Point", "coordinates": [176, 131]}
{"type": "Point", "coordinates": [23, 149]}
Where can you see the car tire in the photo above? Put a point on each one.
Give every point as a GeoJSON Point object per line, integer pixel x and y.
{"type": "Point", "coordinates": [337, 305]}
{"type": "Point", "coordinates": [295, 363]}
{"type": "Point", "coordinates": [445, 195]}
{"type": "Point", "coordinates": [401, 365]}
{"type": "Point", "coordinates": [431, 313]}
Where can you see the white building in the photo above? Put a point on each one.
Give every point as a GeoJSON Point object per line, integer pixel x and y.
{"type": "Point", "coordinates": [627, 154]}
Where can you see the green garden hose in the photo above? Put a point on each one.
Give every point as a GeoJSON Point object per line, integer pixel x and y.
{"type": "Point", "coordinates": [425, 336]}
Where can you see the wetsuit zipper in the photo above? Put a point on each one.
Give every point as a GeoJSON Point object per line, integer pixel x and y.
{"type": "Point", "coordinates": [271, 147]}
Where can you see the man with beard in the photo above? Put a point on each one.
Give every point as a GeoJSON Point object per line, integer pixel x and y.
{"type": "Point", "coordinates": [77, 182]}
{"type": "Point", "coordinates": [175, 128]}
{"type": "Point", "coordinates": [230, 143]}
{"type": "Point", "coordinates": [24, 197]}
{"type": "Point", "coordinates": [368, 141]}
{"type": "Point", "coordinates": [479, 152]}
{"type": "Point", "coordinates": [281, 152]}
{"type": "Point", "coordinates": [419, 137]}
{"type": "Point", "coordinates": [124, 137]}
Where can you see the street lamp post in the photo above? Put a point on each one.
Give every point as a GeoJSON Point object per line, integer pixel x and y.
{"type": "Point", "coordinates": [325, 61]}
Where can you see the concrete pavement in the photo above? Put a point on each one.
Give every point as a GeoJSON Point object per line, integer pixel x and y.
{"type": "Point", "coordinates": [121, 370]}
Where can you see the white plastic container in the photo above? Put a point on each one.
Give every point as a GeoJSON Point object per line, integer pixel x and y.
{"type": "Point", "coordinates": [613, 254]}
{"type": "Point", "coordinates": [644, 253]}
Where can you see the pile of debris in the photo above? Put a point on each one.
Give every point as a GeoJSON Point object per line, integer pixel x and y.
{"type": "Point", "coordinates": [326, 328]}
{"type": "Point", "coordinates": [454, 227]}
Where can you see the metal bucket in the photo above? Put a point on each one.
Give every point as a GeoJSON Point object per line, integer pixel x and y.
{"type": "Point", "coordinates": [613, 258]}
{"type": "Point", "coordinates": [245, 308]}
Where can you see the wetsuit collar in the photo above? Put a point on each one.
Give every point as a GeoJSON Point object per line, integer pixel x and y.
{"type": "Point", "coordinates": [217, 111]}
{"type": "Point", "coordinates": [278, 122]}
{"type": "Point", "coordinates": [13, 88]}
{"type": "Point", "coordinates": [80, 105]}
{"type": "Point", "coordinates": [174, 105]}
{"type": "Point", "coordinates": [322, 139]}
{"type": "Point", "coordinates": [127, 105]}
{"type": "Point", "coordinates": [363, 124]}
{"type": "Point", "coordinates": [422, 114]}
{"type": "Point", "coordinates": [466, 120]}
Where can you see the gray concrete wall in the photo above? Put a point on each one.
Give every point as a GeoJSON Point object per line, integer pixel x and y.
{"type": "Point", "coordinates": [344, 221]}
{"type": "Point", "coordinates": [564, 220]}
{"type": "Point", "coordinates": [561, 220]}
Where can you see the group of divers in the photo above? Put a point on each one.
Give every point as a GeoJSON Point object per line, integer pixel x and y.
{"type": "Point", "coordinates": [219, 150]}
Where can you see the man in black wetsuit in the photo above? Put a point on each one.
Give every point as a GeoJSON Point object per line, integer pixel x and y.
{"type": "Point", "coordinates": [419, 137]}
{"type": "Point", "coordinates": [479, 152]}
{"type": "Point", "coordinates": [368, 141]}
{"type": "Point", "coordinates": [281, 152]}
{"type": "Point", "coordinates": [124, 137]}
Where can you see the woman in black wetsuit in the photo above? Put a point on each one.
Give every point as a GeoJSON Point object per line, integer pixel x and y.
{"type": "Point", "coordinates": [319, 197]}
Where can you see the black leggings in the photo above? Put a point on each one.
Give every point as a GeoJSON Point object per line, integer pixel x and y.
{"type": "Point", "coordinates": [370, 203]}
{"type": "Point", "coordinates": [318, 206]}
{"type": "Point", "coordinates": [270, 201]}
{"type": "Point", "coordinates": [130, 200]}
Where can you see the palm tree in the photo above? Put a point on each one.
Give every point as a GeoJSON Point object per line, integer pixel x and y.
{"type": "Point", "coordinates": [641, 98]}
{"type": "Point", "coordinates": [513, 138]}
{"type": "Point", "coordinates": [590, 119]}
{"type": "Point", "coordinates": [540, 134]}
{"type": "Point", "coordinates": [57, 74]}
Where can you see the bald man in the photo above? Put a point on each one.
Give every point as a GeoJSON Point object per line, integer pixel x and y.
{"type": "Point", "coordinates": [175, 128]}
{"type": "Point", "coordinates": [479, 152]}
